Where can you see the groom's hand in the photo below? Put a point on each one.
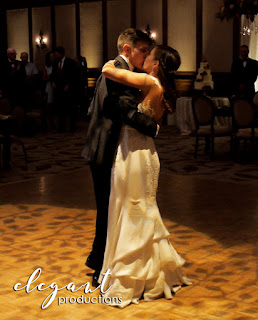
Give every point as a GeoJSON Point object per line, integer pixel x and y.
{"type": "Point", "coordinates": [132, 117]}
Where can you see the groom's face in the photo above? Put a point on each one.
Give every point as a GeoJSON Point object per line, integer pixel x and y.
{"type": "Point", "coordinates": [139, 53]}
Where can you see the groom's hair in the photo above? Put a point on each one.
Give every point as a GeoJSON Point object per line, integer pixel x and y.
{"type": "Point", "coordinates": [132, 36]}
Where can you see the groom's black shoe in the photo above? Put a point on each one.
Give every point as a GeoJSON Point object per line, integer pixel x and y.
{"type": "Point", "coordinates": [95, 278]}
{"type": "Point", "coordinates": [90, 263]}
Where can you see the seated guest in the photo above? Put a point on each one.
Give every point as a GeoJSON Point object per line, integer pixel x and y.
{"type": "Point", "coordinates": [244, 74]}
{"type": "Point", "coordinates": [12, 78]}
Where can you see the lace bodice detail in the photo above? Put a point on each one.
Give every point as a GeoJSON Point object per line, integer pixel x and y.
{"type": "Point", "coordinates": [146, 109]}
{"type": "Point", "coordinates": [145, 106]}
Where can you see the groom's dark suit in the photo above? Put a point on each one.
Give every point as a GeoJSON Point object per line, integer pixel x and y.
{"type": "Point", "coordinates": [113, 104]}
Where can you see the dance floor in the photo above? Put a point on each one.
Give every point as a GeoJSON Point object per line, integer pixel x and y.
{"type": "Point", "coordinates": [48, 222]}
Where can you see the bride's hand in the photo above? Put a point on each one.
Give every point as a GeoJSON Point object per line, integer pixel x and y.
{"type": "Point", "coordinates": [109, 64]}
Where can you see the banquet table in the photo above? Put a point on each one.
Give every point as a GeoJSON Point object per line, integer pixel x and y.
{"type": "Point", "coordinates": [185, 119]}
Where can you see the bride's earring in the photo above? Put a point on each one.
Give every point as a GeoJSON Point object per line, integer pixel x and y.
{"type": "Point", "coordinates": [152, 71]}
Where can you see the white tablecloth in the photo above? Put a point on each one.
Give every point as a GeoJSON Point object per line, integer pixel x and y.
{"type": "Point", "coordinates": [184, 114]}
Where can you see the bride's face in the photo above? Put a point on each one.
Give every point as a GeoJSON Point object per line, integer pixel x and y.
{"type": "Point", "coordinates": [149, 62]}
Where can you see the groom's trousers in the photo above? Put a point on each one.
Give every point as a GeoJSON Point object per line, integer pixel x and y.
{"type": "Point", "coordinates": [101, 175]}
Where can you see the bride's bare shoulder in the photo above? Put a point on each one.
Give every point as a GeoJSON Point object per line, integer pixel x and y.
{"type": "Point", "coordinates": [155, 82]}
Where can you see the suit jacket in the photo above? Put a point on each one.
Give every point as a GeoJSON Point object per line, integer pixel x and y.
{"type": "Point", "coordinates": [245, 76]}
{"type": "Point", "coordinates": [113, 104]}
{"type": "Point", "coordinates": [12, 80]}
{"type": "Point", "coordinates": [64, 77]}
{"type": "Point", "coordinates": [12, 75]}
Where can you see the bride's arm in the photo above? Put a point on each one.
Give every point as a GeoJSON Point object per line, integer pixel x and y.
{"type": "Point", "coordinates": [133, 79]}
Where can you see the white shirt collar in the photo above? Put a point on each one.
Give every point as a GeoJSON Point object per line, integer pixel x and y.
{"type": "Point", "coordinates": [131, 67]}
{"type": "Point", "coordinates": [62, 62]}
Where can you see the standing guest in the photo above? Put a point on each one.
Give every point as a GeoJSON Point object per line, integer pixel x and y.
{"type": "Point", "coordinates": [244, 74]}
{"type": "Point", "coordinates": [63, 83]}
{"type": "Point", "coordinates": [49, 91]}
{"type": "Point", "coordinates": [30, 68]}
{"type": "Point", "coordinates": [81, 79]}
{"type": "Point", "coordinates": [12, 78]}
{"type": "Point", "coordinates": [30, 83]}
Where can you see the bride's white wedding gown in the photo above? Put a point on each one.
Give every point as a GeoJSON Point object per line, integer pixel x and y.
{"type": "Point", "coordinates": [138, 252]}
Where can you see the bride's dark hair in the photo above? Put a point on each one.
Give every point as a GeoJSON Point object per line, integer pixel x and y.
{"type": "Point", "coordinates": [169, 61]}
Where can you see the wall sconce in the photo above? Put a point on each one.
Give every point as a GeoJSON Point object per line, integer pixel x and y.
{"type": "Point", "coordinates": [153, 35]}
{"type": "Point", "coordinates": [41, 41]}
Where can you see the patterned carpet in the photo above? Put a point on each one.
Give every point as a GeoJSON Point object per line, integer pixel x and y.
{"type": "Point", "coordinates": [48, 223]}
{"type": "Point", "coordinates": [51, 153]}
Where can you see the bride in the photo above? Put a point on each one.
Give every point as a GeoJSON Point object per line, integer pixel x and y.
{"type": "Point", "coordinates": [142, 261]}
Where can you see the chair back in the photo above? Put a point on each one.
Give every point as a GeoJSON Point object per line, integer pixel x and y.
{"type": "Point", "coordinates": [243, 114]}
{"type": "Point", "coordinates": [203, 111]}
{"type": "Point", "coordinates": [18, 116]}
{"type": "Point", "coordinates": [5, 106]}
{"type": "Point", "coordinates": [255, 99]}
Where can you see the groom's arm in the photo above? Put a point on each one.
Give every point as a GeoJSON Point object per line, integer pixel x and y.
{"type": "Point", "coordinates": [138, 120]}
{"type": "Point", "coordinates": [127, 107]}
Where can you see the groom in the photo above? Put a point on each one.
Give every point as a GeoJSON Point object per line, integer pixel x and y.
{"type": "Point", "coordinates": [113, 104]}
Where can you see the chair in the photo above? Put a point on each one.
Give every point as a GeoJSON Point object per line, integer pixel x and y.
{"type": "Point", "coordinates": [204, 111]}
{"type": "Point", "coordinates": [5, 109]}
{"type": "Point", "coordinates": [13, 139]}
{"type": "Point", "coordinates": [36, 116]}
{"type": "Point", "coordinates": [244, 118]}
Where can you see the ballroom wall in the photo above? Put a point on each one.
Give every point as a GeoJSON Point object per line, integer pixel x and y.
{"type": "Point", "coordinates": [182, 31]}
{"type": "Point", "coordinates": [217, 38]}
{"type": "Point", "coordinates": [118, 18]}
{"type": "Point", "coordinates": [101, 21]}
{"type": "Point", "coordinates": [41, 20]}
{"type": "Point", "coordinates": [150, 12]}
{"type": "Point", "coordinates": [17, 30]}
{"type": "Point", "coordinates": [91, 41]}
{"type": "Point", "coordinates": [65, 28]}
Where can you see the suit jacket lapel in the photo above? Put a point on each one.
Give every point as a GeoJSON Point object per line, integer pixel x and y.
{"type": "Point", "coordinates": [248, 62]}
{"type": "Point", "coordinates": [123, 62]}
